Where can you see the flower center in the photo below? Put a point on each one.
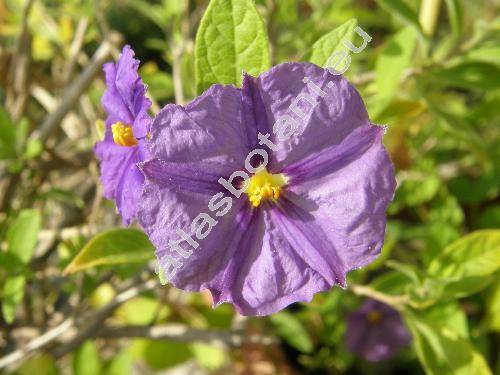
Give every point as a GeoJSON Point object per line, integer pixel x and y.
{"type": "Point", "coordinates": [374, 317]}
{"type": "Point", "coordinates": [264, 185]}
{"type": "Point", "coordinates": [123, 134]}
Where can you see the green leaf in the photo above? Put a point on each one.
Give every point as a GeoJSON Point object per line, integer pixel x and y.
{"type": "Point", "coordinates": [455, 14]}
{"type": "Point", "coordinates": [290, 328]}
{"type": "Point", "coordinates": [86, 360]}
{"type": "Point", "coordinates": [23, 233]}
{"type": "Point", "coordinates": [492, 319]}
{"type": "Point", "coordinates": [162, 354]}
{"type": "Point", "coordinates": [117, 246]}
{"type": "Point", "coordinates": [330, 43]}
{"type": "Point", "coordinates": [391, 63]}
{"type": "Point", "coordinates": [467, 75]}
{"type": "Point", "coordinates": [402, 11]}
{"type": "Point", "coordinates": [12, 295]}
{"type": "Point", "coordinates": [232, 38]}
{"type": "Point", "coordinates": [7, 136]}
{"type": "Point", "coordinates": [441, 350]}
{"type": "Point", "coordinates": [208, 356]}
{"type": "Point", "coordinates": [468, 264]}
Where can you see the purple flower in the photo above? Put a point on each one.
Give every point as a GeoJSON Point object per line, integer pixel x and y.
{"type": "Point", "coordinates": [127, 125]}
{"type": "Point", "coordinates": [267, 194]}
{"type": "Point", "coordinates": [376, 331]}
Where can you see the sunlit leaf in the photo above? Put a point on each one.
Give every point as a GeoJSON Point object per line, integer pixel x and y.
{"type": "Point", "coordinates": [231, 39]}
{"type": "Point", "coordinates": [23, 233]}
{"type": "Point", "coordinates": [441, 350]}
{"type": "Point", "coordinates": [12, 295]}
{"type": "Point", "coordinates": [117, 246]}
{"type": "Point", "coordinates": [330, 43]}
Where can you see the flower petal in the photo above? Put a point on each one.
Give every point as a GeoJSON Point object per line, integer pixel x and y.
{"type": "Point", "coordinates": [351, 202]}
{"type": "Point", "coordinates": [208, 130]}
{"type": "Point", "coordinates": [323, 119]}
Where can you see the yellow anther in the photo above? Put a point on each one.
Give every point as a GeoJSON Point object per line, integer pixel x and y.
{"type": "Point", "coordinates": [264, 185]}
{"type": "Point", "coordinates": [374, 317]}
{"type": "Point", "coordinates": [123, 134]}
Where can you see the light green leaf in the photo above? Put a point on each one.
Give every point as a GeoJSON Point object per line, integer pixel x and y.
{"type": "Point", "coordinates": [468, 264]}
{"type": "Point", "coordinates": [86, 360]}
{"type": "Point", "coordinates": [441, 350]}
{"type": "Point", "coordinates": [231, 39]}
{"type": "Point", "coordinates": [23, 233]}
{"type": "Point", "coordinates": [292, 330]}
{"type": "Point", "coordinates": [208, 356]}
{"type": "Point", "coordinates": [117, 246]}
{"type": "Point", "coordinates": [330, 43]}
{"type": "Point", "coordinates": [391, 63]}
{"type": "Point", "coordinates": [12, 295]}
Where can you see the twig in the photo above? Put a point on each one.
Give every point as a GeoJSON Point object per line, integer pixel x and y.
{"type": "Point", "coordinates": [183, 333]}
{"type": "Point", "coordinates": [36, 344]}
{"type": "Point", "coordinates": [100, 316]}
{"type": "Point", "coordinates": [92, 322]}
{"type": "Point", "coordinates": [72, 93]}
{"type": "Point", "coordinates": [75, 48]}
{"type": "Point", "coordinates": [395, 301]}
{"type": "Point", "coordinates": [18, 85]}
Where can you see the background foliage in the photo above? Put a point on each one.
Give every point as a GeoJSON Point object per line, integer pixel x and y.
{"type": "Point", "coordinates": [80, 296]}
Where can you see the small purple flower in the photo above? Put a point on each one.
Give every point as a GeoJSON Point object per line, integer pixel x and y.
{"type": "Point", "coordinates": [376, 331]}
{"type": "Point", "coordinates": [267, 194]}
{"type": "Point", "coordinates": [127, 125]}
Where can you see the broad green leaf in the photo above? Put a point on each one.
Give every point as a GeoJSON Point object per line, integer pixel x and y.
{"type": "Point", "coordinates": [86, 360]}
{"type": "Point", "coordinates": [449, 315]}
{"type": "Point", "coordinates": [468, 264]}
{"type": "Point", "coordinates": [7, 136]}
{"type": "Point", "coordinates": [391, 63]}
{"type": "Point", "coordinates": [12, 295]}
{"type": "Point", "coordinates": [290, 328]}
{"type": "Point", "coordinates": [208, 356]}
{"type": "Point", "coordinates": [23, 233]}
{"type": "Point", "coordinates": [231, 39]}
{"type": "Point", "coordinates": [142, 311]}
{"type": "Point", "coordinates": [330, 43]}
{"type": "Point", "coordinates": [162, 354]}
{"type": "Point", "coordinates": [441, 350]}
{"type": "Point", "coordinates": [120, 364]}
{"type": "Point", "coordinates": [401, 9]}
{"type": "Point", "coordinates": [477, 254]}
{"type": "Point", "coordinates": [117, 246]}
{"type": "Point", "coordinates": [467, 75]}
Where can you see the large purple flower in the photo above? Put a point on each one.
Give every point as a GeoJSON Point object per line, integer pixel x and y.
{"type": "Point", "coordinates": [127, 125]}
{"type": "Point", "coordinates": [376, 331]}
{"type": "Point", "coordinates": [267, 194]}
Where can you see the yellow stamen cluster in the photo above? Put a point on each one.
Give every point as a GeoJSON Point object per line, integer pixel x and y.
{"type": "Point", "coordinates": [123, 134]}
{"type": "Point", "coordinates": [264, 185]}
{"type": "Point", "coordinates": [374, 317]}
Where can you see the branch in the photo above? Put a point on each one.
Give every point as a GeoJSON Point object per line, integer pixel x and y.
{"type": "Point", "coordinates": [183, 333]}
{"type": "Point", "coordinates": [92, 323]}
{"type": "Point", "coordinates": [72, 93]}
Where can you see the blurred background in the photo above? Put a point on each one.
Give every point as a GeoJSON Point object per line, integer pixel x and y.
{"type": "Point", "coordinates": [431, 73]}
